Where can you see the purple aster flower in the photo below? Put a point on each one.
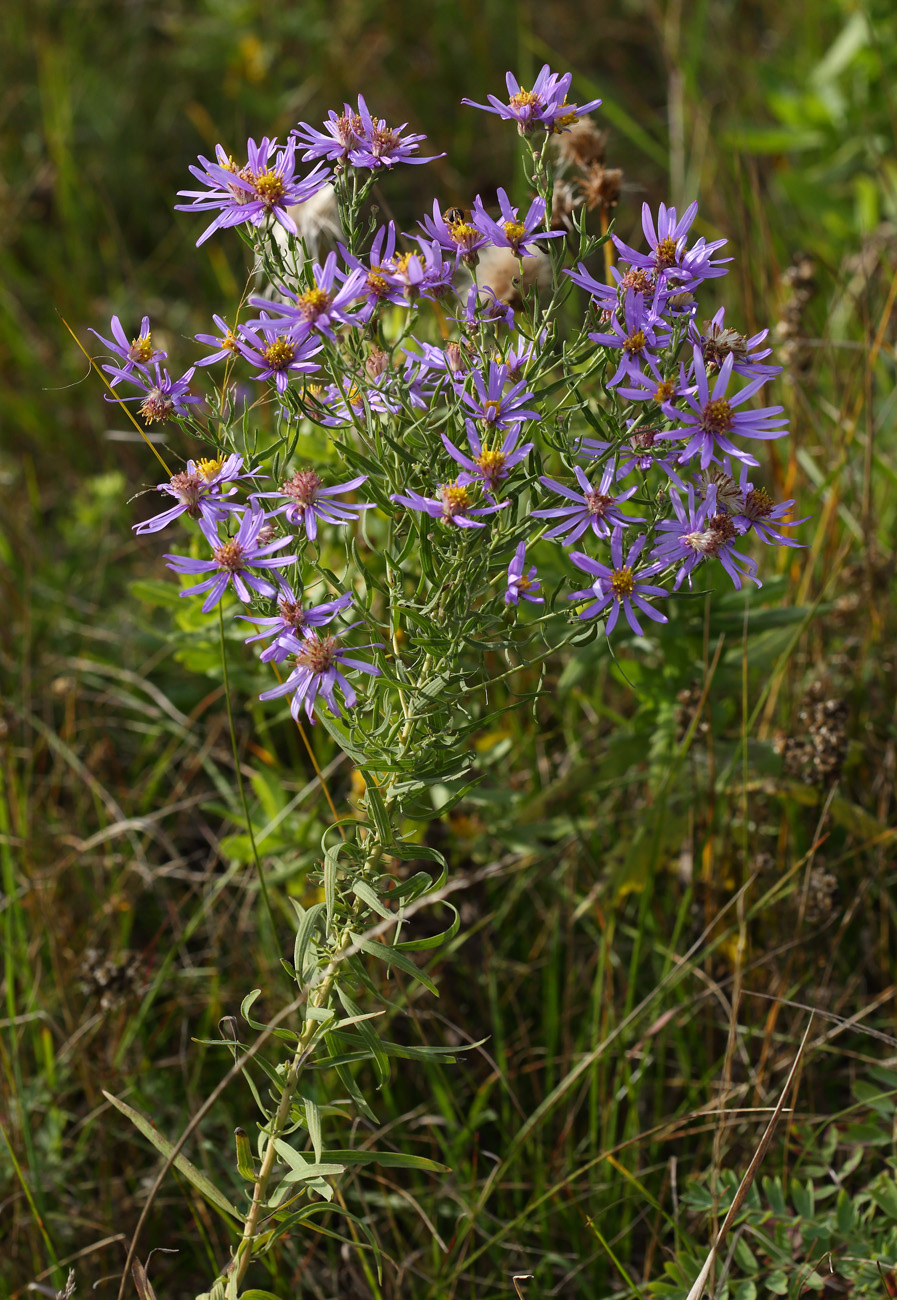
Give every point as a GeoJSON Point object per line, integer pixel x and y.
{"type": "Point", "coordinates": [669, 257]}
{"type": "Point", "coordinates": [321, 306]}
{"type": "Point", "coordinates": [697, 533]}
{"type": "Point", "coordinates": [750, 508]}
{"type": "Point", "coordinates": [226, 344]}
{"type": "Point", "coordinates": [231, 559]}
{"type": "Point", "coordinates": [519, 357]}
{"type": "Point", "coordinates": [342, 132]}
{"type": "Point", "coordinates": [454, 505]}
{"type": "Point", "coordinates": [277, 354]}
{"type": "Point", "coordinates": [545, 105]}
{"type": "Point", "coordinates": [491, 405]}
{"type": "Point", "coordinates": [713, 417]}
{"type": "Point", "coordinates": [511, 232]}
{"type": "Point", "coordinates": [716, 343]}
{"type": "Point", "coordinates": [308, 500]}
{"type": "Point", "coordinates": [377, 284]}
{"type": "Point", "coordinates": [422, 275]}
{"type": "Point", "coordinates": [654, 388]}
{"type": "Point", "coordinates": [620, 587]}
{"type": "Point", "coordinates": [293, 620]}
{"type": "Point", "coordinates": [594, 508]}
{"type": "Point", "coordinates": [138, 353]}
{"type": "Point", "coordinates": [383, 146]}
{"type": "Point", "coordinates": [520, 583]}
{"type": "Point", "coordinates": [260, 189]}
{"type": "Point", "coordinates": [636, 337]}
{"type": "Point", "coordinates": [453, 232]}
{"type": "Point", "coordinates": [162, 397]}
{"type": "Point", "coordinates": [484, 307]}
{"type": "Point", "coordinates": [635, 280]}
{"type": "Point", "coordinates": [316, 672]}
{"type": "Point", "coordinates": [643, 452]}
{"type": "Point", "coordinates": [490, 465]}
{"type": "Point", "coordinates": [200, 492]}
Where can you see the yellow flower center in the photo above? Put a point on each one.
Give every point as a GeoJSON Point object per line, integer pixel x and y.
{"type": "Point", "coordinates": [208, 468]}
{"type": "Point", "coordinates": [229, 556]}
{"type": "Point", "coordinates": [525, 99]}
{"type": "Point", "coordinates": [462, 233]}
{"type": "Point", "coordinates": [665, 391]}
{"type": "Point", "coordinates": [491, 462]}
{"type": "Point", "coordinates": [515, 230]}
{"type": "Point", "coordinates": [279, 354]}
{"type": "Point", "coordinates": [491, 410]}
{"type": "Point", "coordinates": [314, 302]}
{"type": "Point", "coordinates": [455, 498]}
{"type": "Point", "coordinates": [622, 583]}
{"type": "Point", "coordinates": [269, 187]}
{"type": "Point", "coordinates": [717, 416]}
{"type": "Point", "coordinates": [141, 348]}
{"type": "Point", "coordinates": [377, 282]}
{"type": "Point", "coordinates": [665, 253]}
{"type": "Point", "coordinates": [636, 342]}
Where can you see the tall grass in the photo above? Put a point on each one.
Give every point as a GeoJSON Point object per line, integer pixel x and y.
{"type": "Point", "coordinates": [646, 915]}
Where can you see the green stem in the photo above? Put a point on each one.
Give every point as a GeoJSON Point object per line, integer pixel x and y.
{"type": "Point", "coordinates": [240, 786]}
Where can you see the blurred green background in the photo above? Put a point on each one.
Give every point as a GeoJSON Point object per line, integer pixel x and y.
{"type": "Point", "coordinates": [612, 831]}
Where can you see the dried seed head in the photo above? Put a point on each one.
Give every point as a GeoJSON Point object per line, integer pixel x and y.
{"type": "Point", "coordinates": [600, 187]}
{"type": "Point", "coordinates": [583, 145]}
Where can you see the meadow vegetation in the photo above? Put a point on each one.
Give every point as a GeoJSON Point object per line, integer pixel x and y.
{"type": "Point", "coordinates": [673, 856]}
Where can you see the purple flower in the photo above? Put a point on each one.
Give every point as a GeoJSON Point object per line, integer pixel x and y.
{"type": "Point", "coordinates": [277, 354]}
{"type": "Point", "coordinates": [161, 398]}
{"type": "Point", "coordinates": [697, 533]}
{"type": "Point", "coordinates": [293, 620]}
{"type": "Point", "coordinates": [493, 407]}
{"type": "Point", "coordinates": [751, 508]}
{"type": "Point", "coordinates": [635, 336]}
{"type": "Point", "coordinates": [254, 192]}
{"type": "Point", "coordinates": [308, 500]}
{"type": "Point", "coordinates": [226, 345]}
{"type": "Point", "coordinates": [669, 258]}
{"type": "Point", "coordinates": [619, 587]}
{"type": "Point", "coordinates": [715, 343]}
{"type": "Point", "coordinates": [642, 456]}
{"type": "Point", "coordinates": [636, 280]}
{"type": "Point", "coordinates": [319, 307]}
{"type": "Point", "coordinates": [139, 352]}
{"type": "Point", "coordinates": [453, 505]}
{"type": "Point", "coordinates": [422, 275]}
{"type": "Point", "coordinates": [713, 417]}
{"type": "Point", "coordinates": [377, 284]}
{"type": "Point", "coordinates": [383, 146]}
{"type": "Point", "coordinates": [336, 406]}
{"type": "Point", "coordinates": [520, 583]}
{"type": "Point", "coordinates": [510, 232]}
{"type": "Point", "coordinates": [593, 508]}
{"type": "Point", "coordinates": [546, 104]}
{"type": "Point", "coordinates": [453, 231]}
{"type": "Point", "coordinates": [484, 307]}
{"type": "Point", "coordinates": [231, 559]}
{"type": "Point", "coordinates": [341, 133]}
{"type": "Point", "coordinates": [489, 466]}
{"type": "Point", "coordinates": [198, 491]}
{"type": "Point", "coordinates": [317, 671]}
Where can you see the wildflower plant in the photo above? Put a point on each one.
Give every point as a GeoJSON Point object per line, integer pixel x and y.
{"type": "Point", "coordinates": [463, 417]}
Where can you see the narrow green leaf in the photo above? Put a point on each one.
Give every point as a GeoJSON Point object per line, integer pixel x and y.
{"type": "Point", "coordinates": [302, 1170]}
{"type": "Point", "coordinates": [193, 1175]}
{"type": "Point", "coordinates": [393, 957]}
{"type": "Point", "coordinates": [388, 1159]}
{"type": "Point", "coordinates": [368, 895]}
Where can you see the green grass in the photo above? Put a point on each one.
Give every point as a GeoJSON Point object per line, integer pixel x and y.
{"type": "Point", "coordinates": [626, 989]}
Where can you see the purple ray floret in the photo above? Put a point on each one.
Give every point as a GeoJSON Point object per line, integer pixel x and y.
{"type": "Point", "coordinates": [277, 354]}
{"type": "Point", "coordinates": [293, 619]}
{"type": "Point", "coordinates": [308, 500]}
{"type": "Point", "coordinates": [713, 417]}
{"type": "Point", "coordinates": [163, 396]}
{"type": "Point", "coordinates": [318, 308]}
{"type": "Point", "coordinates": [360, 139]}
{"type": "Point", "coordinates": [201, 492]}
{"type": "Point", "coordinates": [621, 587]}
{"type": "Point", "coordinates": [317, 671]}
{"type": "Point", "coordinates": [488, 466]}
{"type": "Point", "coordinates": [266, 186]}
{"type": "Point", "coordinates": [520, 582]}
{"type": "Point", "coordinates": [670, 258]}
{"type": "Point", "coordinates": [453, 505]}
{"type": "Point", "coordinates": [545, 105]}
{"type": "Point", "coordinates": [138, 353]}
{"type": "Point", "coordinates": [637, 337]}
{"type": "Point", "coordinates": [697, 533]}
{"type": "Point", "coordinates": [594, 508]}
{"type": "Point", "coordinates": [494, 407]}
{"type": "Point", "coordinates": [511, 232]}
{"type": "Point", "coordinates": [233, 559]}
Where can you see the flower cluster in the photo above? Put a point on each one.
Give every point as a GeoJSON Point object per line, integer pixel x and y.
{"type": "Point", "coordinates": [446, 392]}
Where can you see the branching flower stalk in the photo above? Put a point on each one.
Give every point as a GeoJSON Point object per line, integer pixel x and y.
{"type": "Point", "coordinates": [428, 441]}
